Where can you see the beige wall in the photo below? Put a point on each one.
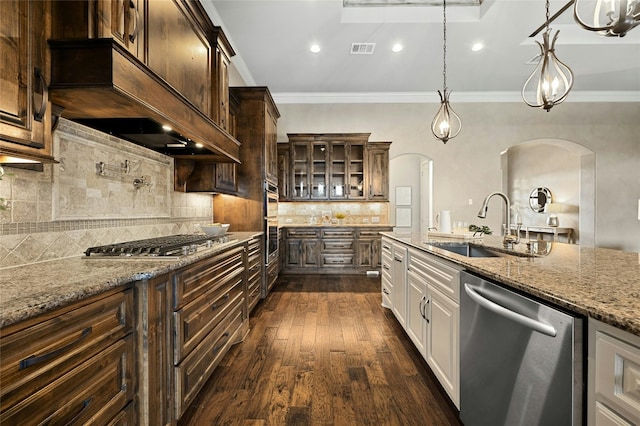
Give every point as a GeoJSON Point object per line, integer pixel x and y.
{"type": "Point", "coordinates": [469, 166]}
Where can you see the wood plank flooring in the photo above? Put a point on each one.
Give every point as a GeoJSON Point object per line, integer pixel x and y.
{"type": "Point", "coordinates": [322, 351]}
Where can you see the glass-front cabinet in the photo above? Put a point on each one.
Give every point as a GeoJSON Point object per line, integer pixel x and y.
{"type": "Point", "coordinates": [333, 167]}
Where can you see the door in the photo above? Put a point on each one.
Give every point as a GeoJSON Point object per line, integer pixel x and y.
{"type": "Point", "coordinates": [416, 311]}
{"type": "Point", "coordinates": [25, 118]}
{"type": "Point", "coordinates": [442, 342]}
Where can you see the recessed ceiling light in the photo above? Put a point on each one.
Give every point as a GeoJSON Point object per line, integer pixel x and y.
{"type": "Point", "coordinates": [397, 48]}
{"type": "Point", "coordinates": [315, 48]}
{"type": "Point", "coordinates": [477, 46]}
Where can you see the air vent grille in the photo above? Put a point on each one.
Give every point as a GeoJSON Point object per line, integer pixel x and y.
{"type": "Point", "coordinates": [362, 48]}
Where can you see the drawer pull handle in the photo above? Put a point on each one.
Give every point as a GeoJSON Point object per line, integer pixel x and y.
{"type": "Point", "coordinates": [32, 360]}
{"type": "Point", "coordinates": [216, 306]}
{"type": "Point", "coordinates": [136, 26]}
{"type": "Point", "coordinates": [385, 291]}
{"type": "Point", "coordinates": [221, 345]}
{"type": "Point", "coordinates": [85, 405]}
{"type": "Point", "coordinates": [39, 115]}
{"type": "Point", "coordinates": [385, 266]}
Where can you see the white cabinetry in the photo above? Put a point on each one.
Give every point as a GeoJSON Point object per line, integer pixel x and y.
{"type": "Point", "coordinates": [614, 376]}
{"type": "Point", "coordinates": [433, 316]}
{"type": "Point", "coordinates": [387, 284]}
{"type": "Point", "coordinates": [399, 277]}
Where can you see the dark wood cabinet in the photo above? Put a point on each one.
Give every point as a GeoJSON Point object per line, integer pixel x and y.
{"type": "Point", "coordinates": [378, 171]}
{"type": "Point", "coordinates": [75, 364]}
{"type": "Point", "coordinates": [153, 63]}
{"type": "Point", "coordinates": [155, 343]}
{"type": "Point", "coordinates": [333, 166]}
{"type": "Point", "coordinates": [25, 109]}
{"type": "Point", "coordinates": [332, 249]}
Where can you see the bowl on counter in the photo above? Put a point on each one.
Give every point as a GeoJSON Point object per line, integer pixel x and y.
{"type": "Point", "coordinates": [215, 229]}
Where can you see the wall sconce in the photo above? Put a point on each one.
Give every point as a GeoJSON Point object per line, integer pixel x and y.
{"type": "Point", "coordinates": [611, 18]}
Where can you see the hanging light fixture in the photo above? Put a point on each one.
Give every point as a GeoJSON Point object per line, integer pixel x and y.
{"type": "Point", "coordinates": [555, 79]}
{"type": "Point", "coordinates": [611, 18]}
{"type": "Point", "coordinates": [446, 124]}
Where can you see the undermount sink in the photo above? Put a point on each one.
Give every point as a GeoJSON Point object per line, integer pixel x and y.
{"type": "Point", "coordinates": [466, 249]}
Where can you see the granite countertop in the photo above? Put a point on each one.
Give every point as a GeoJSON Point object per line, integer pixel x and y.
{"type": "Point", "coordinates": [334, 225]}
{"type": "Point", "coordinates": [30, 290]}
{"type": "Point", "coordinates": [596, 282]}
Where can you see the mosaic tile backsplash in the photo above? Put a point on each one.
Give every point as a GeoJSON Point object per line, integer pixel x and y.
{"type": "Point", "coordinates": [77, 203]}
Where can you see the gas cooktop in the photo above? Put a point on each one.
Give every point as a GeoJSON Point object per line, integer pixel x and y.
{"type": "Point", "coordinates": [159, 247]}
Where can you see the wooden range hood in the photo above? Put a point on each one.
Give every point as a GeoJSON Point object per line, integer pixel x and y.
{"type": "Point", "coordinates": [100, 84]}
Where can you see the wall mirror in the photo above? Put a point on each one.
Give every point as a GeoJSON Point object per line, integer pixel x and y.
{"type": "Point", "coordinates": [539, 198]}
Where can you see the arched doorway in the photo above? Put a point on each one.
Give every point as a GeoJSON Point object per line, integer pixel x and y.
{"type": "Point", "coordinates": [567, 169]}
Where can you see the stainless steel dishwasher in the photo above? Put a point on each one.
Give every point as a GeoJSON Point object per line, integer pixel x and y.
{"type": "Point", "coordinates": [520, 360]}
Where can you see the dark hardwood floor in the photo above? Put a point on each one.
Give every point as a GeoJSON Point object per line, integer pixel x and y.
{"type": "Point", "coordinates": [322, 351]}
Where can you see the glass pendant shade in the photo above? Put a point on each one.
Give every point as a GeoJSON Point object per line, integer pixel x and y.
{"type": "Point", "coordinates": [550, 83]}
{"type": "Point", "coordinates": [446, 124]}
{"type": "Point", "coordinates": [611, 18]}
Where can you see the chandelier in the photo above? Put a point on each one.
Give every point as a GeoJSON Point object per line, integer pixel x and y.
{"type": "Point", "coordinates": [446, 124]}
{"type": "Point", "coordinates": [611, 18]}
{"type": "Point", "coordinates": [554, 79]}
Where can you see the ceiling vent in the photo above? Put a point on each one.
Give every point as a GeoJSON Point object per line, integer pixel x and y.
{"type": "Point", "coordinates": [362, 48]}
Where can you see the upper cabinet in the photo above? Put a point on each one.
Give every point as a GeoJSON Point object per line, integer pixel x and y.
{"type": "Point", "coordinates": [333, 166]}
{"type": "Point", "coordinates": [25, 110]}
{"type": "Point", "coordinates": [130, 67]}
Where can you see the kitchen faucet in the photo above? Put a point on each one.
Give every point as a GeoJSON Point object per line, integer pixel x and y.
{"type": "Point", "coordinates": [509, 240]}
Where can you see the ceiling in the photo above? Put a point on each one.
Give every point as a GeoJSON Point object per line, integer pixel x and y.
{"type": "Point", "coordinates": [272, 39]}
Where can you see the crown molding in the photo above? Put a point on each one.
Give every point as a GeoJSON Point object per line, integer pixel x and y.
{"type": "Point", "coordinates": [432, 97]}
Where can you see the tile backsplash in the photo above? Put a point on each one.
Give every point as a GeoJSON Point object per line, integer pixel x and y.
{"type": "Point", "coordinates": [323, 212]}
{"type": "Point", "coordinates": [71, 206]}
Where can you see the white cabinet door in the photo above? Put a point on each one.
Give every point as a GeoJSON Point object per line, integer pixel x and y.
{"type": "Point", "coordinates": [416, 311]}
{"type": "Point", "coordinates": [443, 354]}
{"type": "Point", "coordinates": [399, 278]}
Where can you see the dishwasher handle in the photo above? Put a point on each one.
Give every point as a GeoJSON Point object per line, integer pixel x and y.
{"type": "Point", "coordinates": [512, 315]}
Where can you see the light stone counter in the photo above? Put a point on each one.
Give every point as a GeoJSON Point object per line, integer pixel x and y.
{"type": "Point", "coordinates": [30, 290]}
{"type": "Point", "coordinates": [600, 283]}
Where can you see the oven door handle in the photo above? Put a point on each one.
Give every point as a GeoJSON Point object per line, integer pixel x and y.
{"type": "Point", "coordinates": [509, 314]}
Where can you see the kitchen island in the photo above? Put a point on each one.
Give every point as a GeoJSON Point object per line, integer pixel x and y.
{"type": "Point", "coordinates": [600, 283]}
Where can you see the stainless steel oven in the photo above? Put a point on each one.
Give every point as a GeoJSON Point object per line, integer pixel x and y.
{"type": "Point", "coordinates": [271, 221]}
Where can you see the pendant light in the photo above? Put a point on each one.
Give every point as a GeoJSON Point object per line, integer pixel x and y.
{"type": "Point", "coordinates": [611, 18]}
{"type": "Point", "coordinates": [446, 124]}
{"type": "Point", "coordinates": [555, 79]}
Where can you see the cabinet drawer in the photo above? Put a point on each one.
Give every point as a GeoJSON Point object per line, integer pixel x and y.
{"type": "Point", "coordinates": [387, 291]}
{"type": "Point", "coordinates": [386, 246]}
{"type": "Point", "coordinates": [193, 281]}
{"type": "Point", "coordinates": [373, 232]}
{"type": "Point", "coordinates": [338, 233]}
{"type": "Point", "coordinates": [386, 265]}
{"type": "Point", "coordinates": [440, 274]}
{"type": "Point", "coordinates": [196, 368]}
{"type": "Point", "coordinates": [33, 357]}
{"type": "Point", "coordinates": [337, 260]}
{"type": "Point", "coordinates": [126, 417]}
{"type": "Point", "coordinates": [197, 319]}
{"type": "Point", "coordinates": [337, 245]}
{"type": "Point", "coordinates": [92, 393]}
{"type": "Point", "coordinates": [303, 233]}
{"type": "Point", "coordinates": [617, 376]}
